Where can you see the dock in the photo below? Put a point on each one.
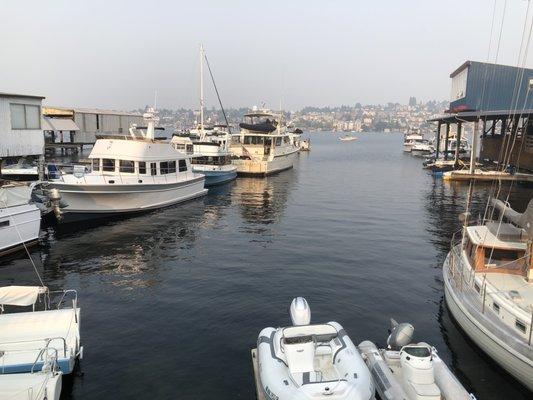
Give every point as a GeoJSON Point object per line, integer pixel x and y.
{"type": "Point", "coordinates": [258, 387]}
{"type": "Point", "coordinates": [76, 146]}
{"type": "Point", "coordinates": [487, 176]}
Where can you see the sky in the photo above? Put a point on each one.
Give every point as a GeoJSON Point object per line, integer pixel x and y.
{"type": "Point", "coordinates": [118, 54]}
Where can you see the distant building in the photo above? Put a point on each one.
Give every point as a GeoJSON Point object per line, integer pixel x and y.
{"type": "Point", "coordinates": [20, 125]}
{"type": "Point", "coordinates": [81, 125]}
{"type": "Point", "coordinates": [478, 86]}
{"type": "Point", "coordinates": [412, 101]}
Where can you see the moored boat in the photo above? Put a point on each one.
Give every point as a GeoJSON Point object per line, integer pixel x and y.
{"type": "Point", "coordinates": [129, 174]}
{"type": "Point", "coordinates": [347, 138]}
{"type": "Point", "coordinates": [264, 146]}
{"type": "Point", "coordinates": [411, 138]}
{"type": "Point", "coordinates": [305, 361]}
{"type": "Point", "coordinates": [410, 371]}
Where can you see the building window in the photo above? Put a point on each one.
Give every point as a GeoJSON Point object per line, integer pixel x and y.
{"type": "Point", "coordinates": [127, 166]}
{"type": "Point", "coordinates": [96, 164]}
{"type": "Point", "coordinates": [182, 165]}
{"type": "Point", "coordinates": [520, 326]}
{"type": "Point", "coordinates": [172, 167]}
{"type": "Point", "coordinates": [153, 168]}
{"type": "Point", "coordinates": [108, 165]}
{"type": "Point", "coordinates": [25, 116]}
{"type": "Point", "coordinates": [142, 167]}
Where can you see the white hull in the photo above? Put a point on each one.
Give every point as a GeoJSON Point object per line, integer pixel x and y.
{"type": "Point", "coordinates": [262, 167]}
{"type": "Point", "coordinates": [407, 148]}
{"type": "Point", "coordinates": [513, 362]}
{"type": "Point", "coordinates": [18, 224]}
{"type": "Point", "coordinates": [94, 200]}
{"type": "Point", "coordinates": [36, 386]}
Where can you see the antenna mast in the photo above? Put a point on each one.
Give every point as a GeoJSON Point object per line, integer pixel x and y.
{"type": "Point", "coordinates": [202, 134]}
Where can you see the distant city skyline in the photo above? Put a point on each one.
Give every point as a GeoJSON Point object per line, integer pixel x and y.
{"type": "Point", "coordinates": [118, 54]}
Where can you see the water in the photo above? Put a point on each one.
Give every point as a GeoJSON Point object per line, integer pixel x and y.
{"type": "Point", "coordinates": [173, 301]}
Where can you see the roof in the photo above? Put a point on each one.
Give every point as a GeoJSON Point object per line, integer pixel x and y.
{"type": "Point", "coordinates": [51, 109]}
{"type": "Point", "coordinates": [58, 124]}
{"type": "Point", "coordinates": [468, 63]}
{"type": "Point", "coordinates": [135, 150]}
{"type": "Point", "coordinates": [482, 235]}
{"type": "Point", "coordinates": [26, 96]}
{"type": "Point", "coordinates": [471, 116]}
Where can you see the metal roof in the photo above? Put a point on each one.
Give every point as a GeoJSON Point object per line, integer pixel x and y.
{"type": "Point", "coordinates": [59, 124]}
{"type": "Point", "coordinates": [26, 96]}
{"type": "Point", "coordinates": [469, 62]}
{"type": "Point", "coordinates": [94, 111]}
{"type": "Point", "coordinates": [471, 116]}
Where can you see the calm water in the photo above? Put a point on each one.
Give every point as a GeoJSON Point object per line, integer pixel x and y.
{"type": "Point", "coordinates": [173, 301]}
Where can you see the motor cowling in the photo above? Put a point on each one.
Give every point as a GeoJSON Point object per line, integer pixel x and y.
{"type": "Point", "coordinates": [400, 335]}
{"type": "Point", "coordinates": [300, 312]}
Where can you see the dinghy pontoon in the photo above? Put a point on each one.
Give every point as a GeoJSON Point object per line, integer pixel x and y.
{"type": "Point", "coordinates": [25, 335]}
{"type": "Point", "coordinates": [311, 361]}
{"type": "Point", "coordinates": [408, 371]}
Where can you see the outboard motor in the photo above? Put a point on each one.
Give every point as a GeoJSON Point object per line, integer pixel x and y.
{"type": "Point", "coordinates": [300, 312]}
{"type": "Point", "coordinates": [400, 335]}
{"type": "Point", "coordinates": [55, 201]}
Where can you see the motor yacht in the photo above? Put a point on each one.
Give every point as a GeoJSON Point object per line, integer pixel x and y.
{"type": "Point", "coordinates": [411, 138]}
{"type": "Point", "coordinates": [310, 361]}
{"type": "Point", "coordinates": [131, 173]}
{"type": "Point", "coordinates": [488, 282]}
{"type": "Point", "coordinates": [264, 146]}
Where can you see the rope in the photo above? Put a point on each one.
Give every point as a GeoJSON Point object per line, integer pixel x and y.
{"type": "Point", "coordinates": [216, 91]}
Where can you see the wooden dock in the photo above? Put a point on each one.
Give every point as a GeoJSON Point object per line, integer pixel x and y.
{"type": "Point", "coordinates": [258, 387]}
{"type": "Point", "coordinates": [487, 176]}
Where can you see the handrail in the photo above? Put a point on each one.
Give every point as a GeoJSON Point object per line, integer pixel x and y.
{"type": "Point", "coordinates": [46, 360]}
{"type": "Point", "coordinates": [65, 292]}
{"type": "Point", "coordinates": [46, 340]}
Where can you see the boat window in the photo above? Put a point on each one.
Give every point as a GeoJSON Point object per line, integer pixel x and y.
{"type": "Point", "coordinates": [476, 286]}
{"type": "Point", "coordinates": [505, 258]}
{"type": "Point", "coordinates": [172, 167]}
{"type": "Point", "coordinates": [278, 141]}
{"type": "Point", "coordinates": [182, 165]}
{"type": "Point", "coordinates": [4, 223]}
{"type": "Point", "coordinates": [142, 167]}
{"type": "Point", "coordinates": [96, 164]}
{"type": "Point", "coordinates": [153, 168]}
{"type": "Point", "coordinates": [108, 165]}
{"type": "Point", "coordinates": [163, 167]}
{"type": "Point", "coordinates": [520, 326]}
{"type": "Point", "coordinates": [127, 166]}
{"type": "Point", "coordinates": [496, 307]}
{"type": "Point", "coordinates": [286, 139]}
{"type": "Point", "coordinates": [417, 351]}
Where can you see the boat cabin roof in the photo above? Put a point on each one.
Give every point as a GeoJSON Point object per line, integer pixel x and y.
{"type": "Point", "coordinates": [503, 236]}
{"type": "Point", "coordinates": [135, 150]}
{"type": "Point", "coordinates": [261, 114]}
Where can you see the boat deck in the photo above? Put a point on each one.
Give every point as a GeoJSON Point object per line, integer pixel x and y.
{"type": "Point", "coordinates": [480, 175]}
{"type": "Point", "coordinates": [258, 391]}
{"type": "Point", "coordinates": [515, 288]}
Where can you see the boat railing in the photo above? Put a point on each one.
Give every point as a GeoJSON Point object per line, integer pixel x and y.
{"type": "Point", "coordinates": [45, 357]}
{"type": "Point", "coordinates": [47, 342]}
{"type": "Point", "coordinates": [64, 293]}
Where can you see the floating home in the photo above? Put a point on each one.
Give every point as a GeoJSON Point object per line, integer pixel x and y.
{"type": "Point", "coordinates": [497, 100]}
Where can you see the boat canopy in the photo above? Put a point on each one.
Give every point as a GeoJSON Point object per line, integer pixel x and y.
{"type": "Point", "coordinates": [20, 295]}
{"type": "Point", "coordinates": [503, 236]}
{"type": "Point", "coordinates": [11, 195]}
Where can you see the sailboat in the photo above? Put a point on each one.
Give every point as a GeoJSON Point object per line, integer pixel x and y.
{"type": "Point", "coordinates": [209, 154]}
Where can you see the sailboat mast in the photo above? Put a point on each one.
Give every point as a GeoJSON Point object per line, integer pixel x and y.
{"type": "Point", "coordinates": [202, 92]}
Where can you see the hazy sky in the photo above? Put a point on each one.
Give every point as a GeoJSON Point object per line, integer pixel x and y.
{"type": "Point", "coordinates": [116, 54]}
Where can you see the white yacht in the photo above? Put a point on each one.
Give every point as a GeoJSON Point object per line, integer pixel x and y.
{"type": "Point", "coordinates": [310, 361]}
{"type": "Point", "coordinates": [20, 218]}
{"type": "Point", "coordinates": [464, 146]}
{"type": "Point", "coordinates": [488, 282]}
{"type": "Point", "coordinates": [421, 148]}
{"type": "Point", "coordinates": [264, 146]}
{"type": "Point", "coordinates": [48, 329]}
{"type": "Point", "coordinates": [209, 153]}
{"type": "Point", "coordinates": [410, 371]}
{"type": "Point", "coordinates": [412, 137]}
{"type": "Point", "coordinates": [129, 174]}
{"type": "Point", "coordinates": [25, 169]}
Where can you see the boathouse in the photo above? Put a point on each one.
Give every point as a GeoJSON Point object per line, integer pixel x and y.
{"type": "Point", "coordinates": [81, 125]}
{"type": "Point", "coordinates": [20, 125]}
{"type": "Point", "coordinates": [498, 101]}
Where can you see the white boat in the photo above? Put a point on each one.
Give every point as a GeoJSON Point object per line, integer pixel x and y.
{"type": "Point", "coordinates": [410, 371]}
{"type": "Point", "coordinates": [411, 138]}
{"type": "Point", "coordinates": [421, 148]}
{"type": "Point", "coordinates": [264, 146]}
{"type": "Point", "coordinates": [464, 146]}
{"type": "Point", "coordinates": [311, 361]}
{"type": "Point", "coordinates": [20, 219]}
{"type": "Point", "coordinates": [347, 138]}
{"type": "Point", "coordinates": [129, 174]}
{"type": "Point", "coordinates": [488, 282]}
{"type": "Point", "coordinates": [210, 155]}
{"type": "Point", "coordinates": [23, 170]}
{"type": "Point", "coordinates": [44, 384]}
{"type": "Point", "coordinates": [26, 336]}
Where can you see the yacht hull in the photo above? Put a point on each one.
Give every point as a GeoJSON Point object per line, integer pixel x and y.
{"type": "Point", "coordinates": [263, 168]}
{"type": "Point", "coordinates": [213, 178]}
{"type": "Point", "coordinates": [99, 201]}
{"type": "Point", "coordinates": [19, 225]}
{"type": "Point", "coordinates": [519, 367]}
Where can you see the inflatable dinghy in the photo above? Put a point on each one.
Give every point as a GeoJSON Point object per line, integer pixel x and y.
{"type": "Point", "coordinates": [406, 371]}
{"type": "Point", "coordinates": [311, 361]}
